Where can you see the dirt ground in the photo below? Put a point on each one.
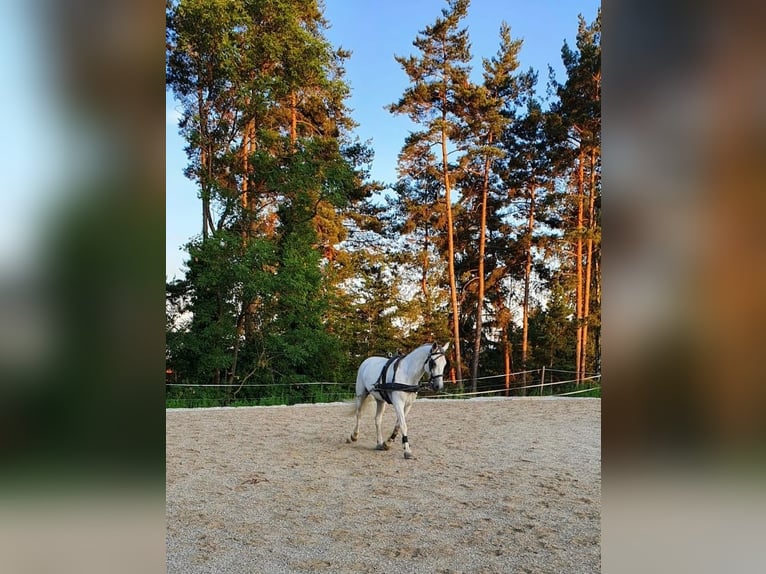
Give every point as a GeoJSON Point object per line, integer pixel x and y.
{"type": "Point", "coordinates": [504, 485]}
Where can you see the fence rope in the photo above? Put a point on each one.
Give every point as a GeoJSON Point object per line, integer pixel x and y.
{"type": "Point", "coordinates": [549, 370]}
{"type": "Point", "coordinates": [436, 396]}
{"type": "Point", "coordinates": [325, 382]}
{"type": "Point", "coordinates": [536, 386]}
{"type": "Point", "coordinates": [578, 392]}
{"type": "Point", "coordinates": [456, 381]}
{"type": "Point", "coordinates": [270, 385]}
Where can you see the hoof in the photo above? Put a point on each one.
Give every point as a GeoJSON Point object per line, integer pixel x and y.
{"type": "Point", "coordinates": [351, 439]}
{"type": "Point", "coordinates": [382, 446]}
{"type": "Point", "coordinates": [408, 455]}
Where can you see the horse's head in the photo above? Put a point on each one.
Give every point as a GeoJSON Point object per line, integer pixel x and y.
{"type": "Point", "coordinates": [435, 365]}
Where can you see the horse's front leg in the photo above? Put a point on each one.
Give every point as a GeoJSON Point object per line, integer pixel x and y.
{"type": "Point", "coordinates": [397, 428]}
{"type": "Point", "coordinates": [401, 406]}
{"type": "Point", "coordinates": [381, 406]}
{"type": "Point", "coordinates": [395, 432]}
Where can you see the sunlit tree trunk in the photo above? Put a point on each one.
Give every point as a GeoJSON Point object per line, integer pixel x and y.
{"type": "Point", "coordinates": [589, 261]}
{"type": "Point", "coordinates": [424, 276]}
{"type": "Point", "coordinates": [451, 255]}
{"type": "Point", "coordinates": [480, 294]}
{"type": "Point", "coordinates": [293, 118]}
{"type": "Point", "coordinates": [507, 360]}
{"type": "Point", "coordinates": [579, 266]}
{"type": "Point", "coordinates": [527, 280]}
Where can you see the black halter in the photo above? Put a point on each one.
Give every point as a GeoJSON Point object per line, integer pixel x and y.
{"type": "Point", "coordinates": [384, 388]}
{"type": "Point", "coordinates": [431, 362]}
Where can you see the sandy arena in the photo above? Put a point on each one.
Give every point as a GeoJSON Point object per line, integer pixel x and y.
{"type": "Point", "coordinates": [504, 485]}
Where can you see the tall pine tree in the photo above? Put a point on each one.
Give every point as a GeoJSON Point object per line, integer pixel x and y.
{"type": "Point", "coordinates": [490, 107]}
{"type": "Point", "coordinates": [578, 108]}
{"type": "Point", "coordinates": [435, 100]}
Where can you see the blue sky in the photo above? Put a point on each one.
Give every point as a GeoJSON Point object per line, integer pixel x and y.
{"type": "Point", "coordinates": [375, 31]}
{"type": "Point", "coordinates": [31, 119]}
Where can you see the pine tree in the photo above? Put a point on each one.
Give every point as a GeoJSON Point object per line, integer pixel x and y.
{"type": "Point", "coordinates": [530, 173]}
{"type": "Point", "coordinates": [435, 100]}
{"type": "Point", "coordinates": [579, 111]}
{"type": "Point", "coordinates": [201, 71]}
{"type": "Point", "coordinates": [552, 329]}
{"type": "Point", "coordinates": [490, 107]}
{"type": "Point", "coordinates": [415, 212]}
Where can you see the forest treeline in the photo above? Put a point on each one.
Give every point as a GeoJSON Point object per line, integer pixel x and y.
{"type": "Point", "coordinates": [490, 237]}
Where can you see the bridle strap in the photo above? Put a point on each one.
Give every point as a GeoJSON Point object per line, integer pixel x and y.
{"type": "Point", "coordinates": [434, 355]}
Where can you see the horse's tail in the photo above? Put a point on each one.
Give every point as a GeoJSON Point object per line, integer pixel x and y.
{"type": "Point", "coordinates": [353, 405]}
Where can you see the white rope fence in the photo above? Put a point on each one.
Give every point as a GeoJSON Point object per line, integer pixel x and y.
{"type": "Point", "coordinates": [577, 392]}
{"type": "Point", "coordinates": [337, 383]}
{"type": "Point", "coordinates": [536, 386]}
{"type": "Point", "coordinates": [541, 385]}
{"type": "Point", "coordinates": [262, 385]}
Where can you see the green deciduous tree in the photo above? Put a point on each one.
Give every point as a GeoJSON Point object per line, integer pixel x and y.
{"type": "Point", "coordinates": [270, 148]}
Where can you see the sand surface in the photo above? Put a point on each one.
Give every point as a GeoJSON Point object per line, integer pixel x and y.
{"type": "Point", "coordinates": [510, 485]}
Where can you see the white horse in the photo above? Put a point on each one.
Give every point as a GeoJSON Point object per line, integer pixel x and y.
{"type": "Point", "coordinates": [396, 381]}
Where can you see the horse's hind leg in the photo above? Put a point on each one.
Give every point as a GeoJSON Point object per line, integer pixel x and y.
{"type": "Point", "coordinates": [359, 403]}
{"type": "Point", "coordinates": [381, 406]}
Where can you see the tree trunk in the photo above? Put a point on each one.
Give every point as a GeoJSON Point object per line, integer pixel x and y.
{"type": "Point", "coordinates": [245, 199]}
{"type": "Point", "coordinates": [205, 195]}
{"type": "Point", "coordinates": [203, 167]}
{"type": "Point", "coordinates": [527, 279]}
{"type": "Point", "coordinates": [507, 354]}
{"type": "Point", "coordinates": [424, 276]}
{"type": "Point", "coordinates": [293, 118]}
{"type": "Point", "coordinates": [249, 212]}
{"type": "Point", "coordinates": [451, 256]}
{"type": "Point", "coordinates": [588, 262]}
{"type": "Point", "coordinates": [480, 294]}
{"type": "Point", "coordinates": [240, 330]}
{"type": "Point", "coordinates": [597, 298]}
{"type": "Point", "coordinates": [579, 267]}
